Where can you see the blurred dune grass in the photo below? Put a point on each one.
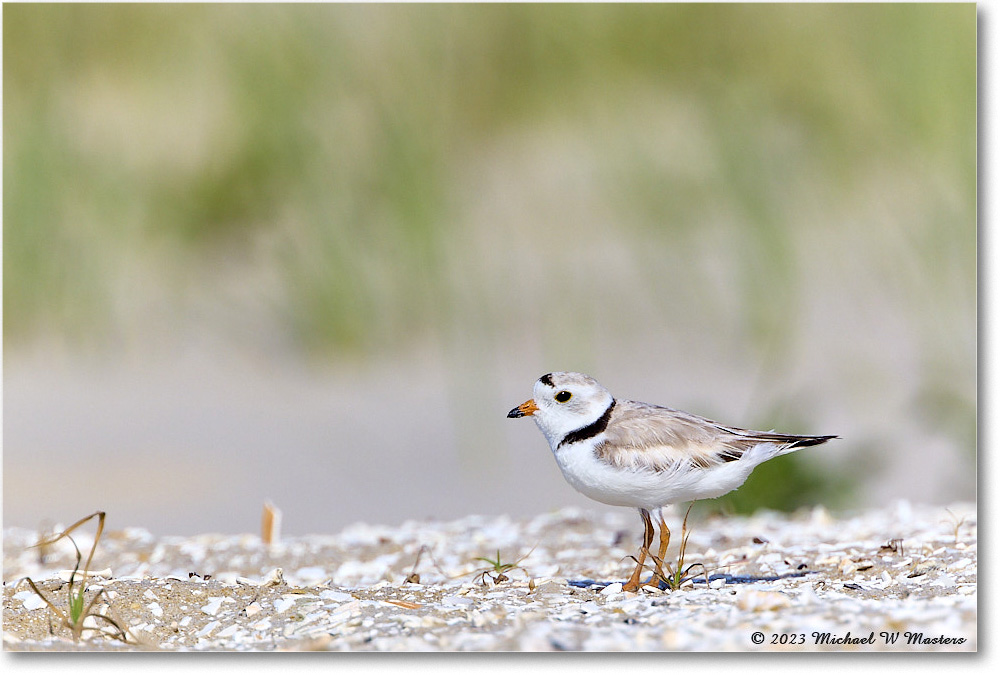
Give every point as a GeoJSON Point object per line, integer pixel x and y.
{"type": "Point", "coordinates": [371, 177]}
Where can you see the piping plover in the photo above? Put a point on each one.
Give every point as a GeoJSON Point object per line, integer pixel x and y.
{"type": "Point", "coordinates": [627, 453]}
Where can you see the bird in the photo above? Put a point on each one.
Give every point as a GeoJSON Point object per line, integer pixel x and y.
{"type": "Point", "coordinates": [644, 456]}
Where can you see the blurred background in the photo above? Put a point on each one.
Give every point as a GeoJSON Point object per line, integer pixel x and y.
{"type": "Point", "coordinates": [314, 254]}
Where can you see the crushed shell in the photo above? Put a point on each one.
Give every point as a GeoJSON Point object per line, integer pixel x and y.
{"type": "Point", "coordinates": [901, 568]}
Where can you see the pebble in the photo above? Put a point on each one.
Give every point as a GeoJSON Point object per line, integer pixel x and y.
{"type": "Point", "coordinates": [613, 589]}
{"type": "Point", "coordinates": [228, 631]}
{"type": "Point", "coordinates": [336, 596]}
{"type": "Point", "coordinates": [275, 577]}
{"type": "Point", "coordinates": [456, 601]}
{"type": "Point", "coordinates": [549, 587]}
{"type": "Point", "coordinates": [207, 628]}
{"type": "Point", "coordinates": [282, 604]}
{"type": "Point", "coordinates": [30, 600]}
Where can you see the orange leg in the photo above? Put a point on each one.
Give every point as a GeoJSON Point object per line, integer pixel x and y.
{"type": "Point", "coordinates": [664, 543]}
{"type": "Point", "coordinates": [664, 537]}
{"type": "Point", "coordinates": [647, 539]}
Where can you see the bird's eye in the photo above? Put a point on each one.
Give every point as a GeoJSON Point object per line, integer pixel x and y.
{"type": "Point", "coordinates": [563, 396]}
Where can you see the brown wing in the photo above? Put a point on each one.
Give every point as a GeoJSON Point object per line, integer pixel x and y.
{"type": "Point", "coordinates": [664, 439]}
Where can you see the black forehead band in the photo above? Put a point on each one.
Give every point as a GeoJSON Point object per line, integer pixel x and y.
{"type": "Point", "coordinates": [547, 379]}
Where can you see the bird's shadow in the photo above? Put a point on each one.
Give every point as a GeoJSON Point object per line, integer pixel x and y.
{"type": "Point", "coordinates": [699, 579]}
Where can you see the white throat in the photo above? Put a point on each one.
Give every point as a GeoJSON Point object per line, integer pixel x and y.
{"type": "Point", "coordinates": [561, 426]}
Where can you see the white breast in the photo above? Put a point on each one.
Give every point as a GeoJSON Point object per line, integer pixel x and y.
{"type": "Point", "coordinates": [649, 489]}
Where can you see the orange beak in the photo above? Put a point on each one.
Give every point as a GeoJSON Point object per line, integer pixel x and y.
{"type": "Point", "coordinates": [526, 409]}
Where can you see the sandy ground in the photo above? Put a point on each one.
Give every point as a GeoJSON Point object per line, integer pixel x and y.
{"type": "Point", "coordinates": [901, 578]}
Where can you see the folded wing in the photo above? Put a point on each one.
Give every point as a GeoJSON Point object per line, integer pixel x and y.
{"type": "Point", "coordinates": [650, 437]}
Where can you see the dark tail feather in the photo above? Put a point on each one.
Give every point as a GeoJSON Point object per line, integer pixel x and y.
{"type": "Point", "coordinates": [806, 441]}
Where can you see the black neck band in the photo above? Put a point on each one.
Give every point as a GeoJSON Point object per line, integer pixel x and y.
{"type": "Point", "coordinates": [591, 430]}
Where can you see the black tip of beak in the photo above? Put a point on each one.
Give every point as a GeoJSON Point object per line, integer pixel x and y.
{"type": "Point", "coordinates": [515, 413]}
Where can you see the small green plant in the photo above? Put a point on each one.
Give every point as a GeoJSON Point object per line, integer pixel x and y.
{"type": "Point", "coordinates": [497, 570]}
{"type": "Point", "coordinates": [78, 609]}
{"type": "Point", "coordinates": [674, 577]}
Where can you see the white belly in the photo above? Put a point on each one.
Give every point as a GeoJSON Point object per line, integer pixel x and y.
{"type": "Point", "coordinates": [649, 489]}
